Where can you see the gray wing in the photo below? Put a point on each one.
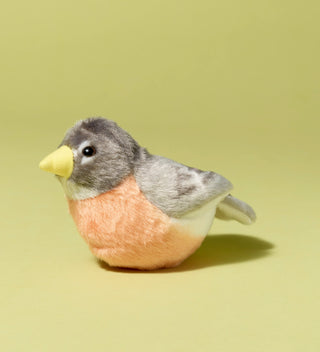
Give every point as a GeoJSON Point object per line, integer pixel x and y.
{"type": "Point", "coordinates": [175, 188]}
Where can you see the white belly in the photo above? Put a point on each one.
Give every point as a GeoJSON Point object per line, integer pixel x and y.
{"type": "Point", "coordinates": [199, 221]}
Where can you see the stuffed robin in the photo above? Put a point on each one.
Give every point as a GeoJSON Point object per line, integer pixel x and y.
{"type": "Point", "coordinates": [135, 209]}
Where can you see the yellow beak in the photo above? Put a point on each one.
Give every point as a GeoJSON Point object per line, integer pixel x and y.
{"type": "Point", "coordinates": [60, 162]}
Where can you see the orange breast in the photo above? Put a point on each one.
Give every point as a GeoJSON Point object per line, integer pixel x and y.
{"type": "Point", "coordinates": [124, 229]}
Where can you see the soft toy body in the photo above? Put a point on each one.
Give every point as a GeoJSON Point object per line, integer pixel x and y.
{"type": "Point", "coordinates": [135, 209]}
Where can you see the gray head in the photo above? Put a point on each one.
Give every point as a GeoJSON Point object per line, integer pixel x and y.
{"type": "Point", "coordinates": [103, 155]}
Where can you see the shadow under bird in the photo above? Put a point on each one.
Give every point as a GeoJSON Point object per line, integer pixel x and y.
{"type": "Point", "coordinates": [135, 209]}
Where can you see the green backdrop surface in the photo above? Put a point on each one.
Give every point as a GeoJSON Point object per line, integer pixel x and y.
{"type": "Point", "coordinates": [226, 86]}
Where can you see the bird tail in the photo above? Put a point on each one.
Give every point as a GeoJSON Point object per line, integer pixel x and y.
{"type": "Point", "coordinates": [232, 208]}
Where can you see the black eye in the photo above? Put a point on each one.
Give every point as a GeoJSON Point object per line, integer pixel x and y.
{"type": "Point", "coordinates": [88, 151]}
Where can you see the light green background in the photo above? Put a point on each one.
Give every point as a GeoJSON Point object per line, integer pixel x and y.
{"type": "Point", "coordinates": [230, 86]}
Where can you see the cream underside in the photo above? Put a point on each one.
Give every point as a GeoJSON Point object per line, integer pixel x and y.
{"type": "Point", "coordinates": [199, 221]}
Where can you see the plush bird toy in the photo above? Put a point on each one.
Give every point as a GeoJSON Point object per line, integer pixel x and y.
{"type": "Point", "coordinates": [135, 209]}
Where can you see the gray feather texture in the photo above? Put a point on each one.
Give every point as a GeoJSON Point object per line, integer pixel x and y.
{"type": "Point", "coordinates": [115, 154]}
{"type": "Point", "coordinates": [174, 188]}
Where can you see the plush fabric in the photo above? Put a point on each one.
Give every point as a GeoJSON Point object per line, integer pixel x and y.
{"type": "Point", "coordinates": [135, 209]}
{"type": "Point", "coordinates": [124, 229]}
{"type": "Point", "coordinates": [175, 188]}
{"type": "Point", "coordinates": [232, 208]}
